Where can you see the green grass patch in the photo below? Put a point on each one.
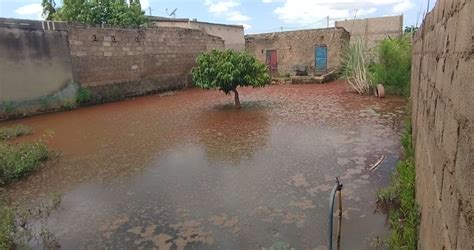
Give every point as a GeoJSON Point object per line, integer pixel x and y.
{"type": "Point", "coordinates": [18, 160]}
{"type": "Point", "coordinates": [12, 132]}
{"type": "Point", "coordinates": [20, 225]}
{"type": "Point", "coordinates": [399, 199]}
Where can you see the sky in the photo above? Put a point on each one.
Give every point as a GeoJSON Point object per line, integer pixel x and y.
{"type": "Point", "coordinates": [258, 16]}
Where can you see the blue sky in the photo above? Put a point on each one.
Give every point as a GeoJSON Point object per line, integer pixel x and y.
{"type": "Point", "coordinates": [258, 15]}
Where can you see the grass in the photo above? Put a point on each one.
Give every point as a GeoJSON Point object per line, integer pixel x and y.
{"type": "Point", "coordinates": [19, 226]}
{"type": "Point", "coordinates": [83, 96]}
{"type": "Point", "coordinates": [7, 227]}
{"type": "Point", "coordinates": [399, 198]}
{"type": "Point", "coordinates": [12, 132]}
{"type": "Point", "coordinates": [19, 160]}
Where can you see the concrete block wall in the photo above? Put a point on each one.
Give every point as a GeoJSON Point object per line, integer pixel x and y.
{"type": "Point", "coordinates": [145, 59]}
{"type": "Point", "coordinates": [297, 48]}
{"type": "Point", "coordinates": [373, 30]}
{"type": "Point", "coordinates": [442, 101]}
{"type": "Point", "coordinates": [42, 63]}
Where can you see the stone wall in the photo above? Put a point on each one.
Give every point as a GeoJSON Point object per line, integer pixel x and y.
{"type": "Point", "coordinates": [43, 63]}
{"type": "Point", "coordinates": [372, 30]}
{"type": "Point", "coordinates": [297, 48]}
{"type": "Point", "coordinates": [442, 101]}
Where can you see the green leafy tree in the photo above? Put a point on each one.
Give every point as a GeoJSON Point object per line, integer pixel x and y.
{"type": "Point", "coordinates": [115, 12]}
{"type": "Point", "coordinates": [228, 69]}
{"type": "Point", "coordinates": [49, 8]}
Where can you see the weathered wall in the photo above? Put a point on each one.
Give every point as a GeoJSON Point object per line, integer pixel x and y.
{"type": "Point", "coordinates": [372, 30]}
{"type": "Point", "coordinates": [41, 62]}
{"type": "Point", "coordinates": [145, 59]}
{"type": "Point", "coordinates": [443, 125]}
{"type": "Point", "coordinates": [297, 48]}
{"type": "Point", "coordinates": [33, 63]}
{"type": "Point", "coordinates": [233, 35]}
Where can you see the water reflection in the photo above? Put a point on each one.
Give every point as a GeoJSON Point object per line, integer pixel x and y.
{"type": "Point", "coordinates": [230, 135]}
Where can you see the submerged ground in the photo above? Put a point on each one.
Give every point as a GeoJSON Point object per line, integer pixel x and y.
{"type": "Point", "coordinates": [189, 170]}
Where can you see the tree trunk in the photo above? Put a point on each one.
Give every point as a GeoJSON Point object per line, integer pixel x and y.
{"type": "Point", "coordinates": [236, 98]}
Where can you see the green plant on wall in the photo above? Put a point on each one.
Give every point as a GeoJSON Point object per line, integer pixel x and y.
{"type": "Point", "coordinates": [83, 95]}
{"type": "Point", "coordinates": [228, 69]}
{"type": "Point", "coordinates": [8, 108]}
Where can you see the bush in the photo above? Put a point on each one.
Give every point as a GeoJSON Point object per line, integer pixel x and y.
{"type": "Point", "coordinates": [399, 198]}
{"type": "Point", "coordinates": [392, 65]}
{"type": "Point", "coordinates": [83, 96]}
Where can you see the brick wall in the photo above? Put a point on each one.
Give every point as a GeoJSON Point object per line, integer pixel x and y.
{"type": "Point", "coordinates": [443, 125]}
{"type": "Point", "coordinates": [40, 61]}
{"type": "Point", "coordinates": [297, 48]}
{"type": "Point", "coordinates": [372, 30]}
{"type": "Point", "coordinates": [146, 59]}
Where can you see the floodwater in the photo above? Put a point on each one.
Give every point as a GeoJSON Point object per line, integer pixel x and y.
{"type": "Point", "coordinates": [190, 171]}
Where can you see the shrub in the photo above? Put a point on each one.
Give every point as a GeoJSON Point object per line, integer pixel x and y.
{"type": "Point", "coordinates": [392, 65]}
{"type": "Point", "coordinates": [228, 69]}
{"type": "Point", "coordinates": [83, 96]}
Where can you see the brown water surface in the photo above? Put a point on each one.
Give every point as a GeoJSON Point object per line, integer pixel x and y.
{"type": "Point", "coordinates": [189, 170]}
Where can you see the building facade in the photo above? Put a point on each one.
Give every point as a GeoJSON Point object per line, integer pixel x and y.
{"type": "Point", "coordinates": [233, 35]}
{"type": "Point", "coordinates": [302, 52]}
{"type": "Point", "coordinates": [372, 30]}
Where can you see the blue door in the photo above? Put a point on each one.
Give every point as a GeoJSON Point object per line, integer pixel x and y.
{"type": "Point", "coordinates": [321, 58]}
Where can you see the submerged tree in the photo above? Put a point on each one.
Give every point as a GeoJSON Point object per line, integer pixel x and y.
{"type": "Point", "coordinates": [115, 12]}
{"type": "Point", "coordinates": [228, 69]}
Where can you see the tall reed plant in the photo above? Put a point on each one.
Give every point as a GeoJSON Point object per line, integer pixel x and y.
{"type": "Point", "coordinates": [355, 67]}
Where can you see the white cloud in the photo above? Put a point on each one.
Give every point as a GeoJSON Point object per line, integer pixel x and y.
{"type": "Point", "coordinates": [246, 26]}
{"type": "Point", "coordinates": [30, 9]}
{"type": "Point", "coordinates": [145, 4]}
{"type": "Point", "coordinates": [306, 12]}
{"type": "Point", "coordinates": [237, 16]}
{"type": "Point", "coordinates": [227, 9]}
{"type": "Point", "coordinates": [221, 6]}
{"type": "Point", "coordinates": [403, 6]}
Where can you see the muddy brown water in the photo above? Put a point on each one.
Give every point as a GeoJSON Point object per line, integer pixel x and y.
{"type": "Point", "coordinates": [189, 170]}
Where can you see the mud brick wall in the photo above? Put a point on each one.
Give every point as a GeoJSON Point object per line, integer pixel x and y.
{"type": "Point", "coordinates": [297, 48]}
{"type": "Point", "coordinates": [143, 60]}
{"type": "Point", "coordinates": [373, 30]}
{"type": "Point", "coordinates": [442, 102]}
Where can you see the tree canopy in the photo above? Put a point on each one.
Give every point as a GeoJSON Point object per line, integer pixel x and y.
{"type": "Point", "coordinates": [228, 69]}
{"type": "Point", "coordinates": [115, 12]}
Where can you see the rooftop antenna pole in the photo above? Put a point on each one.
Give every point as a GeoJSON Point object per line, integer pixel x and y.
{"type": "Point", "coordinates": [149, 10]}
{"type": "Point", "coordinates": [327, 21]}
